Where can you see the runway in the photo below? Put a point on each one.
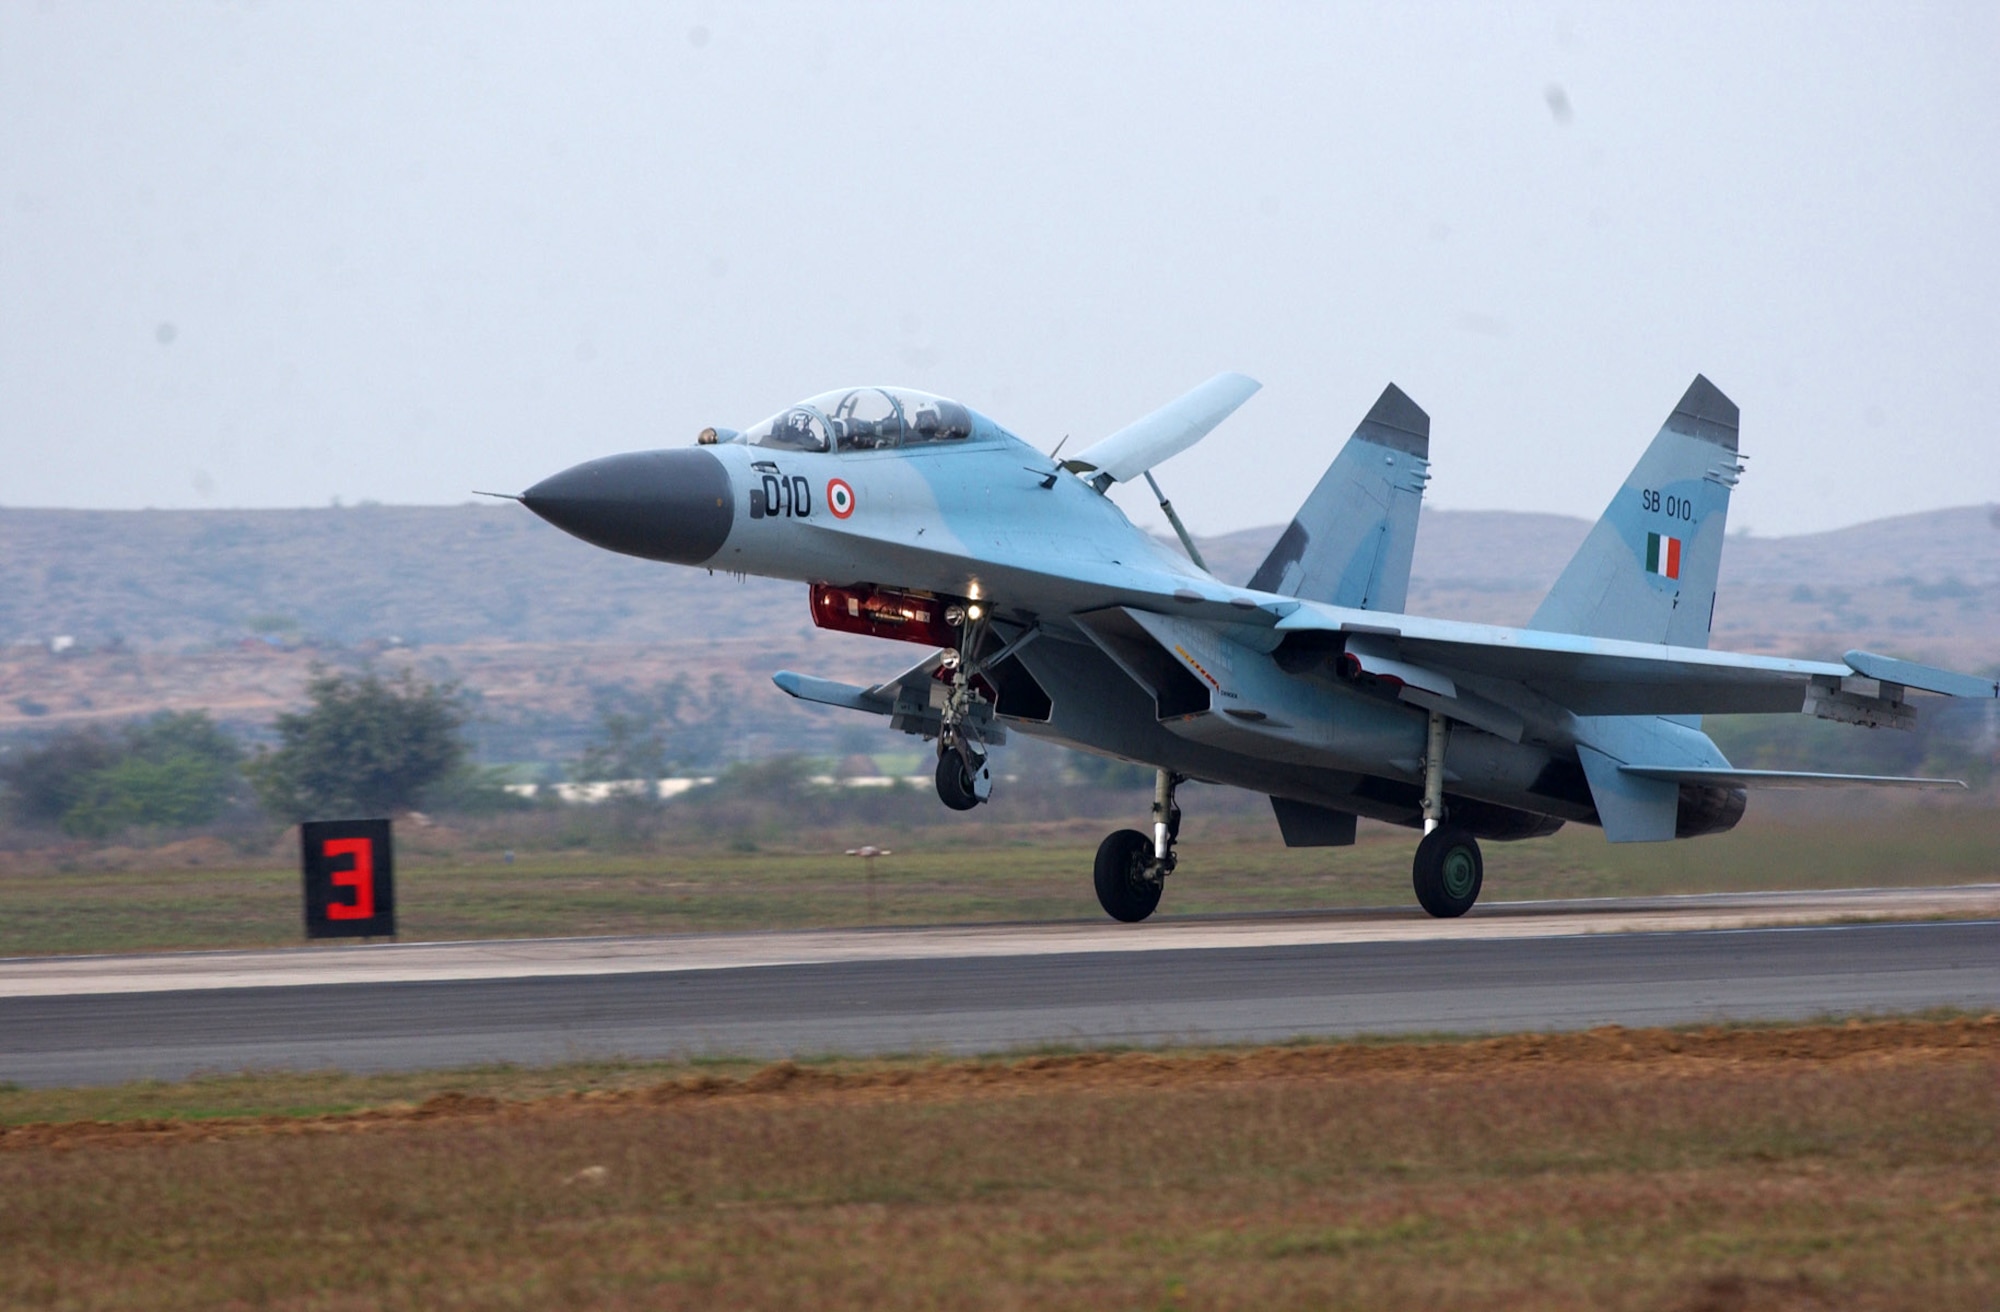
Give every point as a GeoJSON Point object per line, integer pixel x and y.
{"type": "Point", "coordinates": [976, 989]}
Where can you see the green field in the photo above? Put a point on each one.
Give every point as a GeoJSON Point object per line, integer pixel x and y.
{"type": "Point", "coordinates": [455, 886]}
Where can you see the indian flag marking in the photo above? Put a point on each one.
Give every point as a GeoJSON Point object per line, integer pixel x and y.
{"type": "Point", "coordinates": [1663, 555]}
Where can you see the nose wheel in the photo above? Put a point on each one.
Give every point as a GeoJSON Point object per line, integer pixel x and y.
{"type": "Point", "coordinates": [963, 778]}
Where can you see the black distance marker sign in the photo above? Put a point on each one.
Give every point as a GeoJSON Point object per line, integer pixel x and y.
{"type": "Point", "coordinates": [350, 878]}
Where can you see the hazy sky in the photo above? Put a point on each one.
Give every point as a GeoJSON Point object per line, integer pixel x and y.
{"type": "Point", "coordinates": [271, 254]}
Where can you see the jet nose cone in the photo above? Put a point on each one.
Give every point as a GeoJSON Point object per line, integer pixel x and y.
{"type": "Point", "coordinates": [663, 505]}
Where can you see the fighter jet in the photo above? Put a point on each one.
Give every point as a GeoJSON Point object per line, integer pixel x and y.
{"type": "Point", "coordinates": [1049, 613]}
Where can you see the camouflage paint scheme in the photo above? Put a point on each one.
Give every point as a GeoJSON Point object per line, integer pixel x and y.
{"type": "Point", "coordinates": [1308, 684]}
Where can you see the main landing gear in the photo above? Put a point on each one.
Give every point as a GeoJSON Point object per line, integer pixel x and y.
{"type": "Point", "coordinates": [1448, 871]}
{"type": "Point", "coordinates": [1132, 869]}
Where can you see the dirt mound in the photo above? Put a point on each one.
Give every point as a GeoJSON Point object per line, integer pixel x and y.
{"type": "Point", "coordinates": [1648, 1054]}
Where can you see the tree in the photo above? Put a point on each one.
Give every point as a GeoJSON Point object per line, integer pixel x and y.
{"type": "Point", "coordinates": [366, 746]}
{"type": "Point", "coordinates": [45, 782]}
{"type": "Point", "coordinates": [175, 770]}
{"type": "Point", "coordinates": [628, 746]}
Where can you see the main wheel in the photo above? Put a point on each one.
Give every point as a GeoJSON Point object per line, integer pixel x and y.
{"type": "Point", "coordinates": [1448, 872]}
{"type": "Point", "coordinates": [1123, 889]}
{"type": "Point", "coordinates": [954, 782]}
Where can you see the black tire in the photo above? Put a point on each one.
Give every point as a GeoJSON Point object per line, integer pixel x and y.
{"type": "Point", "coordinates": [1448, 872]}
{"type": "Point", "coordinates": [1122, 887]}
{"type": "Point", "coordinates": [954, 782]}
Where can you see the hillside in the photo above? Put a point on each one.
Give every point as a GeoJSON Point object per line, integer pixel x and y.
{"type": "Point", "coordinates": [229, 609]}
{"type": "Point", "coordinates": [452, 575]}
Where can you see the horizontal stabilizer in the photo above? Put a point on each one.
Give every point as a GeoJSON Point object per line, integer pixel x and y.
{"type": "Point", "coordinates": [1732, 778]}
{"type": "Point", "coordinates": [1921, 677]}
{"type": "Point", "coordinates": [1165, 433]}
{"type": "Point", "coordinates": [826, 692]}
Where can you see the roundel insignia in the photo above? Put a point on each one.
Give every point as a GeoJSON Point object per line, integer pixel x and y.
{"type": "Point", "coordinates": [839, 498]}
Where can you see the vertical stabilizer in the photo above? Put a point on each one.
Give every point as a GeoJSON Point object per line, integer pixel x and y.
{"type": "Point", "coordinates": [1352, 540]}
{"type": "Point", "coordinates": [1647, 571]}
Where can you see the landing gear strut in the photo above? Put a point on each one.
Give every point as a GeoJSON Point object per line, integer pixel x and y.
{"type": "Point", "coordinates": [963, 778]}
{"type": "Point", "coordinates": [1448, 870]}
{"type": "Point", "coordinates": [1132, 869]}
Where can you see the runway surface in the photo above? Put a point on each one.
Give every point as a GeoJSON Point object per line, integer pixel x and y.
{"type": "Point", "coordinates": [1507, 967]}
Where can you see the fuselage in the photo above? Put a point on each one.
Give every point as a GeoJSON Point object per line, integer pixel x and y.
{"type": "Point", "coordinates": [978, 515]}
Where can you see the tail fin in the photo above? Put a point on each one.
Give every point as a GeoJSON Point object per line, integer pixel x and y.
{"type": "Point", "coordinates": [1351, 542]}
{"type": "Point", "coordinates": [1647, 571]}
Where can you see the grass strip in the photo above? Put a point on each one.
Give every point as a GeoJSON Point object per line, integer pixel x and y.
{"type": "Point", "coordinates": [449, 889]}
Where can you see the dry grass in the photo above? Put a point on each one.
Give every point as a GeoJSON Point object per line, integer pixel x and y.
{"type": "Point", "coordinates": [1850, 1167]}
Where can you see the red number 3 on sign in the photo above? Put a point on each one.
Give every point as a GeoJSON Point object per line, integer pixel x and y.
{"type": "Point", "coordinates": [349, 871]}
{"type": "Point", "coordinates": [360, 876]}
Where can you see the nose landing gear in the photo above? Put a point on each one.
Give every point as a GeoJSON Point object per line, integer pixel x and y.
{"type": "Point", "coordinates": [963, 777]}
{"type": "Point", "coordinates": [1131, 869]}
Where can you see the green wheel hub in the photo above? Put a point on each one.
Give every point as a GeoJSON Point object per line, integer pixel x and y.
{"type": "Point", "coordinates": [1447, 872]}
{"type": "Point", "coordinates": [1460, 868]}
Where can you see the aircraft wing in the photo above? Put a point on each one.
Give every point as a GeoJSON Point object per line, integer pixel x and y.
{"type": "Point", "coordinates": [1732, 778]}
{"type": "Point", "coordinates": [1608, 676]}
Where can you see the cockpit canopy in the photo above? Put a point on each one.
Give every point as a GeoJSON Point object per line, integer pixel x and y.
{"type": "Point", "coordinates": [863, 419]}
